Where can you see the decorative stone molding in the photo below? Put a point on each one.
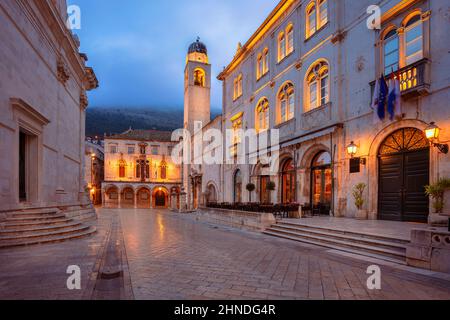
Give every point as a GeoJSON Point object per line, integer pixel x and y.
{"type": "Point", "coordinates": [90, 79]}
{"type": "Point", "coordinates": [426, 15]}
{"type": "Point", "coordinates": [84, 101]}
{"type": "Point", "coordinates": [360, 64]}
{"type": "Point", "coordinates": [272, 83]}
{"type": "Point", "coordinates": [338, 36]}
{"type": "Point", "coordinates": [62, 71]}
{"type": "Point", "coordinates": [299, 64]}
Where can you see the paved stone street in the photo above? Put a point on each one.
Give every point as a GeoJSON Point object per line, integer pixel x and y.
{"type": "Point", "coordinates": [172, 256]}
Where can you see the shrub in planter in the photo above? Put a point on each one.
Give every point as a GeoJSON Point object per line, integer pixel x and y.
{"type": "Point", "coordinates": [436, 191]}
{"type": "Point", "coordinates": [250, 188]}
{"type": "Point", "coordinates": [358, 195]}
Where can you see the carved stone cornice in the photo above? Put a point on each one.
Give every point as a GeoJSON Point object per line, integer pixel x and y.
{"type": "Point", "coordinates": [84, 101]}
{"type": "Point", "coordinates": [426, 15]}
{"type": "Point", "coordinates": [90, 79]}
{"type": "Point", "coordinates": [62, 71]}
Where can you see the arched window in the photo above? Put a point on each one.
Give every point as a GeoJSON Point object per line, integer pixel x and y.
{"type": "Point", "coordinates": [262, 115]}
{"type": "Point", "coordinates": [311, 19]}
{"type": "Point", "coordinates": [318, 86]}
{"type": "Point", "coordinates": [286, 103]}
{"type": "Point", "coordinates": [290, 39]}
{"type": "Point", "coordinates": [237, 187]}
{"type": "Point", "coordinates": [237, 89]}
{"type": "Point", "coordinates": [259, 66]}
{"type": "Point", "coordinates": [138, 169]}
{"type": "Point", "coordinates": [265, 65]}
{"type": "Point", "coordinates": [122, 168]}
{"type": "Point", "coordinates": [281, 46]}
{"type": "Point", "coordinates": [413, 40]}
{"type": "Point", "coordinates": [323, 13]}
{"type": "Point", "coordinates": [163, 167]}
{"type": "Point", "coordinates": [391, 53]}
{"type": "Point", "coordinates": [199, 77]}
{"type": "Point", "coordinates": [288, 181]}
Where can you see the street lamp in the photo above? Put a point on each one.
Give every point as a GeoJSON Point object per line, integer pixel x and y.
{"type": "Point", "coordinates": [432, 133]}
{"type": "Point", "coordinates": [352, 149]}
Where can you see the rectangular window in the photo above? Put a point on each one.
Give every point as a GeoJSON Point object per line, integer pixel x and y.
{"type": "Point", "coordinates": [169, 150]}
{"type": "Point", "coordinates": [414, 43]}
{"type": "Point", "coordinates": [323, 11]}
{"type": "Point", "coordinates": [113, 149]}
{"type": "Point", "coordinates": [291, 107]}
{"type": "Point", "coordinates": [282, 49]}
{"type": "Point", "coordinates": [130, 150]}
{"type": "Point", "coordinates": [155, 150]}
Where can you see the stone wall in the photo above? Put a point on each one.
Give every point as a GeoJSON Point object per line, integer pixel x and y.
{"type": "Point", "coordinates": [429, 249]}
{"type": "Point", "coordinates": [237, 219]}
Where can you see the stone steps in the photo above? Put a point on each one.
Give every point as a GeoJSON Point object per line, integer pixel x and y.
{"type": "Point", "coordinates": [375, 246]}
{"type": "Point", "coordinates": [12, 225]}
{"type": "Point", "coordinates": [36, 226]}
{"type": "Point", "coordinates": [39, 228]}
{"type": "Point", "coordinates": [49, 239]}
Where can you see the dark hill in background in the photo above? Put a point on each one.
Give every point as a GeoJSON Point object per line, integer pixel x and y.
{"type": "Point", "coordinates": [113, 120]}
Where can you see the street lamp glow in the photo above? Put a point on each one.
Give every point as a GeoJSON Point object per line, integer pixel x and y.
{"type": "Point", "coordinates": [352, 149]}
{"type": "Point", "coordinates": [432, 132]}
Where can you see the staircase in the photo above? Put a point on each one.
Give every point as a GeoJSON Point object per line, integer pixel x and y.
{"type": "Point", "coordinates": [36, 226]}
{"type": "Point", "coordinates": [369, 245]}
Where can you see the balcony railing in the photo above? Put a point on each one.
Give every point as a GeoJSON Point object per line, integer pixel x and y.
{"type": "Point", "coordinates": [414, 79]}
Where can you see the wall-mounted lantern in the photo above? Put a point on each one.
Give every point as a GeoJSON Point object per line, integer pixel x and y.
{"type": "Point", "coordinates": [432, 133]}
{"type": "Point", "coordinates": [355, 163]}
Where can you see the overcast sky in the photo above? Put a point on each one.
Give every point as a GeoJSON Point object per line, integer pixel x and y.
{"type": "Point", "coordinates": [138, 47]}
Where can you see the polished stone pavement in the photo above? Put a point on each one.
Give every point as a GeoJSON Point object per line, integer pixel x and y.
{"type": "Point", "coordinates": [173, 256]}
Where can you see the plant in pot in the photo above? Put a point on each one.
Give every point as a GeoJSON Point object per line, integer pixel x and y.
{"type": "Point", "coordinates": [270, 187]}
{"type": "Point", "coordinates": [436, 191]}
{"type": "Point", "coordinates": [250, 188]}
{"type": "Point", "coordinates": [358, 195]}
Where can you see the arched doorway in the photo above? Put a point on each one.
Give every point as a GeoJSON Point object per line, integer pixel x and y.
{"type": "Point", "coordinates": [321, 183]}
{"type": "Point", "coordinates": [127, 200]}
{"type": "Point", "coordinates": [404, 170]}
{"type": "Point", "coordinates": [160, 198]}
{"type": "Point", "coordinates": [112, 197]}
{"type": "Point", "coordinates": [143, 198]}
{"type": "Point", "coordinates": [211, 194]}
{"type": "Point", "coordinates": [288, 182]}
{"type": "Point", "coordinates": [237, 189]}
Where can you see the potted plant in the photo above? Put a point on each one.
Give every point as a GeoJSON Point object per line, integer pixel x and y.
{"type": "Point", "coordinates": [436, 192]}
{"type": "Point", "coordinates": [358, 195]}
{"type": "Point", "coordinates": [250, 188]}
{"type": "Point", "coordinates": [270, 187]}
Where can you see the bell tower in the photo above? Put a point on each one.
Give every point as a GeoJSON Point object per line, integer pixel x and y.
{"type": "Point", "coordinates": [197, 86]}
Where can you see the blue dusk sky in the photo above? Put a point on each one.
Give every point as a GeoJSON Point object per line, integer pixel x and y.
{"type": "Point", "coordinates": [138, 47]}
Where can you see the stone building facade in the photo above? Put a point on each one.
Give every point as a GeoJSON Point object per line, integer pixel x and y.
{"type": "Point", "coordinates": [43, 85]}
{"type": "Point", "coordinates": [139, 171]}
{"type": "Point", "coordinates": [310, 71]}
{"type": "Point", "coordinates": [94, 161]}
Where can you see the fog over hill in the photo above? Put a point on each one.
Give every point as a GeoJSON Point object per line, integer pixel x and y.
{"type": "Point", "coordinates": [112, 120]}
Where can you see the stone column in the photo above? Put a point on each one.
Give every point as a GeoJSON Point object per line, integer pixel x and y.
{"type": "Point", "coordinates": [135, 200]}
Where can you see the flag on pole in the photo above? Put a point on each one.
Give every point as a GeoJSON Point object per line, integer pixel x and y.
{"type": "Point", "coordinates": [383, 93]}
{"type": "Point", "coordinates": [374, 105]}
{"type": "Point", "coordinates": [394, 98]}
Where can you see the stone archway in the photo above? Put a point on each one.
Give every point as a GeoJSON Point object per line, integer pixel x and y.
{"type": "Point", "coordinates": [373, 165]}
{"type": "Point", "coordinates": [127, 197]}
{"type": "Point", "coordinates": [143, 198]}
{"type": "Point", "coordinates": [160, 197]}
{"type": "Point", "coordinates": [111, 197]}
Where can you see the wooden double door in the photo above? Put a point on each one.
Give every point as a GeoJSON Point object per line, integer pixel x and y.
{"type": "Point", "coordinates": [402, 180]}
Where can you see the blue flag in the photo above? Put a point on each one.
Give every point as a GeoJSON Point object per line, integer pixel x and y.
{"type": "Point", "coordinates": [382, 96]}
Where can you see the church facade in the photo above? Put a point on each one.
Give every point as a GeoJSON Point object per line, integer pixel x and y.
{"type": "Point", "coordinates": [310, 71]}
{"type": "Point", "coordinates": [43, 84]}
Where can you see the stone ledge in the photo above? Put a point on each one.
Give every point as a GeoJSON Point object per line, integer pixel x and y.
{"type": "Point", "coordinates": [429, 249]}
{"type": "Point", "coordinates": [237, 219]}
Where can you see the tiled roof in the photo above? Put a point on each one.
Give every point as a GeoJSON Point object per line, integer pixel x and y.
{"type": "Point", "coordinates": [144, 135]}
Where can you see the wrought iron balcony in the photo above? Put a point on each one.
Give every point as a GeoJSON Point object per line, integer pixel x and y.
{"type": "Point", "coordinates": [414, 79]}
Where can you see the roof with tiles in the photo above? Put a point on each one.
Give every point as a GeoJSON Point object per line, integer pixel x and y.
{"type": "Point", "coordinates": [144, 135]}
